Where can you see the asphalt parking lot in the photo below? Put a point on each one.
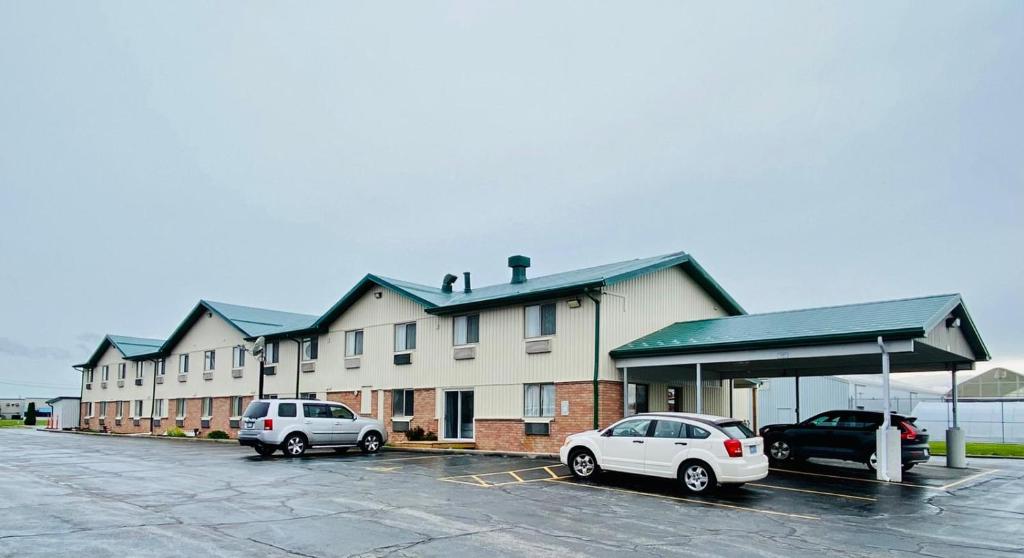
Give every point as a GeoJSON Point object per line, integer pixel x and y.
{"type": "Point", "coordinates": [104, 496]}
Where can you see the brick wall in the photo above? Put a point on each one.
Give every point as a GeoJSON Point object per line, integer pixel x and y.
{"type": "Point", "coordinates": [424, 409]}
{"type": "Point", "coordinates": [510, 435]}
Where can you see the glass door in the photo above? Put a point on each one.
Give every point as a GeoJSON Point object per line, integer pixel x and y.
{"type": "Point", "coordinates": [458, 415]}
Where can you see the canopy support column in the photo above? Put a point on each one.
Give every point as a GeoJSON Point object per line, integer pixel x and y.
{"type": "Point", "coordinates": [625, 392]}
{"type": "Point", "coordinates": [956, 445]}
{"type": "Point", "coordinates": [797, 404]}
{"type": "Point", "coordinates": [888, 448]}
{"type": "Point", "coordinates": [700, 389]}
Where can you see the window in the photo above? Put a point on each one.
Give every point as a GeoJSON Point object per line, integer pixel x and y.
{"type": "Point", "coordinates": [183, 364]}
{"type": "Point", "coordinates": [696, 432]}
{"type": "Point", "coordinates": [120, 409]}
{"type": "Point", "coordinates": [88, 409]}
{"type": "Point", "coordinates": [309, 348]}
{"type": "Point", "coordinates": [238, 357]}
{"type": "Point", "coordinates": [106, 373]}
{"type": "Point", "coordinates": [103, 408]}
{"type": "Point", "coordinates": [354, 343]}
{"type": "Point", "coordinates": [539, 400]}
{"type": "Point", "coordinates": [258, 409]}
{"type": "Point", "coordinates": [158, 408]}
{"type": "Point", "coordinates": [668, 429]}
{"type": "Point", "coordinates": [209, 360]}
{"type": "Point", "coordinates": [632, 428]}
{"type": "Point", "coordinates": [825, 420]}
{"type": "Point", "coordinates": [339, 412]}
{"type": "Point", "coordinates": [138, 369]}
{"type": "Point", "coordinates": [540, 320]}
{"type": "Point", "coordinates": [307, 395]}
{"type": "Point", "coordinates": [91, 374]}
{"type": "Point", "coordinates": [271, 353]}
{"type": "Point", "coordinates": [316, 410]}
{"type": "Point", "coordinates": [138, 408]}
{"type": "Point", "coordinates": [207, 406]}
{"type": "Point", "coordinates": [236, 406]}
{"type": "Point", "coordinates": [674, 396]}
{"type": "Point", "coordinates": [405, 337]}
{"type": "Point", "coordinates": [737, 430]}
{"type": "Point", "coordinates": [286, 410]}
{"type": "Point", "coordinates": [161, 367]}
{"type": "Point", "coordinates": [467, 329]}
{"type": "Point", "coordinates": [637, 398]}
{"type": "Point", "coordinates": [180, 406]}
{"type": "Point", "coordinates": [122, 371]}
{"type": "Point", "coordinates": [402, 402]}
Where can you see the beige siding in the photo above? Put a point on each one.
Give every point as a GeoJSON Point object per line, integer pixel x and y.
{"type": "Point", "coordinates": [209, 332]}
{"type": "Point", "coordinates": [949, 339]}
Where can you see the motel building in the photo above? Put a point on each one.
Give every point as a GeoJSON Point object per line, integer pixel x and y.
{"type": "Point", "coordinates": [515, 366]}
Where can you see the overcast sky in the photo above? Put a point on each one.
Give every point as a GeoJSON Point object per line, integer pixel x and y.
{"type": "Point", "coordinates": [806, 154]}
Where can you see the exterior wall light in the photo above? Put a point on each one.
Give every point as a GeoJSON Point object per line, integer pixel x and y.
{"type": "Point", "coordinates": [573, 303]}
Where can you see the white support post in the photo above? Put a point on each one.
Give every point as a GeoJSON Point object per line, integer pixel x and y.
{"type": "Point", "coordinates": [888, 450]}
{"type": "Point", "coordinates": [700, 390]}
{"type": "Point", "coordinates": [625, 392]}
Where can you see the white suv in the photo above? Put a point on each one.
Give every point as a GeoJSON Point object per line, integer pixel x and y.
{"type": "Point", "coordinates": [294, 425]}
{"type": "Point", "coordinates": [702, 451]}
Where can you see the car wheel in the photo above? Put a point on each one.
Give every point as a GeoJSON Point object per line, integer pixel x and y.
{"type": "Point", "coordinates": [265, 451]}
{"type": "Point", "coordinates": [583, 464]}
{"type": "Point", "coordinates": [697, 477]}
{"type": "Point", "coordinates": [780, 451]}
{"type": "Point", "coordinates": [908, 466]}
{"type": "Point", "coordinates": [872, 462]}
{"type": "Point", "coordinates": [294, 445]}
{"type": "Point", "coordinates": [371, 442]}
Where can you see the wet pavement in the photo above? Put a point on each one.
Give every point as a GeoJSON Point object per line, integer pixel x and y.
{"type": "Point", "coordinates": [104, 496]}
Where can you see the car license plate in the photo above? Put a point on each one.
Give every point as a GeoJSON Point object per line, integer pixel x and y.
{"type": "Point", "coordinates": [753, 449]}
{"type": "Point", "coordinates": [249, 424]}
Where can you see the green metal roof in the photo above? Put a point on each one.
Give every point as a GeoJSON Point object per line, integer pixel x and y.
{"type": "Point", "coordinates": [904, 318]}
{"type": "Point", "coordinates": [436, 301]}
{"type": "Point", "coordinates": [249, 321]}
{"type": "Point", "coordinates": [128, 346]}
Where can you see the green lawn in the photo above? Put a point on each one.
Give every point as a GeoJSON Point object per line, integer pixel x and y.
{"type": "Point", "coordinates": [983, 449]}
{"type": "Point", "coordinates": [7, 423]}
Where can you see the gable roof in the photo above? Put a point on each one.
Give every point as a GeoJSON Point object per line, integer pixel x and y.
{"type": "Point", "coordinates": [906, 318]}
{"type": "Point", "coordinates": [436, 301]}
{"type": "Point", "coordinates": [994, 383]}
{"type": "Point", "coordinates": [128, 347]}
{"type": "Point", "coordinates": [249, 321]}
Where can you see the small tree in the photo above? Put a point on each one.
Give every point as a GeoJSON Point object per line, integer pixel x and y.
{"type": "Point", "coordinates": [30, 414]}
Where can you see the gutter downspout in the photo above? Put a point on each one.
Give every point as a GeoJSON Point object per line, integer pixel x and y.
{"type": "Point", "coordinates": [298, 364]}
{"type": "Point", "coordinates": [597, 353]}
{"type": "Point", "coordinates": [152, 400]}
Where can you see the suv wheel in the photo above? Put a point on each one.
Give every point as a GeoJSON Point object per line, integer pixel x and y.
{"type": "Point", "coordinates": [779, 450]}
{"type": "Point", "coordinates": [697, 477]}
{"type": "Point", "coordinates": [583, 465]}
{"type": "Point", "coordinates": [294, 445]}
{"type": "Point", "coordinates": [371, 442]}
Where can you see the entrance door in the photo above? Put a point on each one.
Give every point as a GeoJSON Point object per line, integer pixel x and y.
{"type": "Point", "coordinates": [458, 415]}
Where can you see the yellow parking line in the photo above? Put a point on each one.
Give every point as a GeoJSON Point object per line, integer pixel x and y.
{"type": "Point", "coordinates": [688, 500]}
{"type": "Point", "coordinates": [479, 480]}
{"type": "Point", "coordinates": [550, 472]}
{"type": "Point", "coordinates": [417, 457]}
{"type": "Point", "coordinates": [515, 476]}
{"type": "Point", "coordinates": [972, 477]}
{"type": "Point", "coordinates": [529, 481]}
{"type": "Point", "coordinates": [464, 482]}
{"type": "Point", "coordinates": [836, 494]}
{"type": "Point", "coordinates": [856, 479]}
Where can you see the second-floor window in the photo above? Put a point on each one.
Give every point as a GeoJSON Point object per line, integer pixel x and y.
{"type": "Point", "coordinates": [309, 348]}
{"type": "Point", "coordinates": [91, 374]}
{"type": "Point", "coordinates": [105, 373]}
{"type": "Point", "coordinates": [209, 360]}
{"type": "Point", "coordinates": [402, 402]}
{"type": "Point", "coordinates": [138, 369]}
{"type": "Point", "coordinates": [539, 400]}
{"type": "Point", "coordinates": [405, 337]}
{"type": "Point", "coordinates": [238, 357]}
{"type": "Point", "coordinates": [270, 353]}
{"type": "Point", "coordinates": [467, 329]}
{"type": "Point", "coordinates": [161, 367]}
{"type": "Point", "coordinates": [183, 364]}
{"type": "Point", "coordinates": [354, 343]}
{"type": "Point", "coordinates": [207, 406]}
{"type": "Point", "coordinates": [540, 320]}
{"type": "Point", "coordinates": [121, 371]}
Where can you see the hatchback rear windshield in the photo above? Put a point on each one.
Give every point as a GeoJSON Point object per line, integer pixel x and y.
{"type": "Point", "coordinates": [257, 409]}
{"type": "Point", "coordinates": [737, 430]}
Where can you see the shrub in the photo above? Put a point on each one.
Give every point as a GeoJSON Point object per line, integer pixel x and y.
{"type": "Point", "coordinates": [415, 434]}
{"type": "Point", "coordinates": [430, 437]}
{"type": "Point", "coordinates": [30, 414]}
{"type": "Point", "coordinates": [175, 432]}
{"type": "Point", "coordinates": [218, 435]}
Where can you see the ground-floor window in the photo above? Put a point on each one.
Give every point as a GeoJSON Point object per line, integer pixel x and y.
{"type": "Point", "coordinates": [675, 399]}
{"type": "Point", "coordinates": [207, 406]}
{"type": "Point", "coordinates": [637, 398]}
{"type": "Point", "coordinates": [458, 415]}
{"type": "Point", "coordinates": [307, 395]}
{"type": "Point", "coordinates": [402, 402]}
{"type": "Point", "coordinates": [158, 408]}
{"type": "Point", "coordinates": [180, 406]}
{"type": "Point", "coordinates": [138, 408]}
{"type": "Point", "coordinates": [88, 409]}
{"type": "Point", "coordinates": [119, 408]}
{"type": "Point", "coordinates": [103, 408]}
{"type": "Point", "coordinates": [539, 400]}
{"type": "Point", "coordinates": [236, 406]}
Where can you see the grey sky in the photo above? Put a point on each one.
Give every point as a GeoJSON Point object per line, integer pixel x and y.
{"type": "Point", "coordinates": [152, 154]}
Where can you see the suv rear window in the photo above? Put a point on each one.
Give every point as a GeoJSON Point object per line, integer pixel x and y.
{"type": "Point", "coordinates": [737, 430]}
{"type": "Point", "coordinates": [257, 409]}
{"type": "Point", "coordinates": [286, 409]}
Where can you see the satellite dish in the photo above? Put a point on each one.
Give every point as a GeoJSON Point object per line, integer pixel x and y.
{"type": "Point", "coordinates": [258, 346]}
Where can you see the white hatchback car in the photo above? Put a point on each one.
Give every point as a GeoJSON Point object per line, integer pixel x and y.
{"type": "Point", "coordinates": [701, 451]}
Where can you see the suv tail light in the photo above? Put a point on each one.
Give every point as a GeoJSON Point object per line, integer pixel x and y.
{"type": "Point", "coordinates": [734, 448]}
{"type": "Point", "coordinates": [909, 432]}
{"type": "Point", "coordinates": [268, 424]}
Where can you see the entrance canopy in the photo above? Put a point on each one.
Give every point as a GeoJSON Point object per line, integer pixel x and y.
{"type": "Point", "coordinates": [920, 334]}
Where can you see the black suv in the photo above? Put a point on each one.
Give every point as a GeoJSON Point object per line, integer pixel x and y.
{"type": "Point", "coordinates": [848, 435]}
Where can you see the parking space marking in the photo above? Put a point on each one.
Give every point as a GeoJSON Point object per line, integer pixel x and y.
{"type": "Point", "coordinates": [417, 457]}
{"type": "Point", "coordinates": [856, 479]}
{"type": "Point", "coordinates": [836, 494]}
{"type": "Point", "coordinates": [688, 500]}
{"type": "Point", "coordinates": [479, 478]}
{"type": "Point", "coordinates": [972, 477]}
{"type": "Point", "coordinates": [515, 476]}
{"type": "Point", "coordinates": [383, 469]}
{"type": "Point", "coordinates": [550, 472]}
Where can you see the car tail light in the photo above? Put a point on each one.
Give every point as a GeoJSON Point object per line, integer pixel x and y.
{"type": "Point", "coordinates": [909, 432]}
{"type": "Point", "coordinates": [268, 424]}
{"type": "Point", "coordinates": [734, 448]}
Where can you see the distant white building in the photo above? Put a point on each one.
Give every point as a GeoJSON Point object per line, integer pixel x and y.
{"type": "Point", "coordinates": [10, 408]}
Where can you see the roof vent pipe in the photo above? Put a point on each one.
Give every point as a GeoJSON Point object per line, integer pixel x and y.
{"type": "Point", "coordinates": [467, 287]}
{"type": "Point", "coordinates": [446, 283]}
{"type": "Point", "coordinates": [518, 265]}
